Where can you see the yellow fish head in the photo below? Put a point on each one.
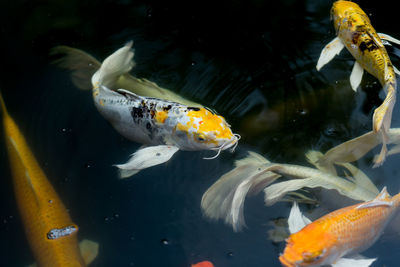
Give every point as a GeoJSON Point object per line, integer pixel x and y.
{"type": "Point", "coordinates": [307, 248]}
{"type": "Point", "coordinates": [342, 11]}
{"type": "Point", "coordinates": [205, 130]}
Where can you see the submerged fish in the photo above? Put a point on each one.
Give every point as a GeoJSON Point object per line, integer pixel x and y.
{"type": "Point", "coordinates": [203, 264]}
{"type": "Point", "coordinates": [356, 33]}
{"type": "Point", "coordinates": [344, 232]}
{"type": "Point", "coordinates": [50, 230]}
{"type": "Point", "coordinates": [163, 126]}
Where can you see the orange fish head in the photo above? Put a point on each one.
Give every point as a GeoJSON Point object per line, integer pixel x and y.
{"type": "Point", "coordinates": [306, 248]}
{"type": "Point", "coordinates": [342, 11]}
{"type": "Point", "coordinates": [206, 130]}
{"type": "Point", "coordinates": [203, 264]}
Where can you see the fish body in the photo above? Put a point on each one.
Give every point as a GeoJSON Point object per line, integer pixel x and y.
{"type": "Point", "coordinates": [163, 126]}
{"type": "Point", "coordinates": [48, 226]}
{"type": "Point", "coordinates": [346, 231]}
{"type": "Point", "coordinates": [153, 121]}
{"type": "Point", "coordinates": [355, 32]}
{"type": "Point", "coordinates": [354, 29]}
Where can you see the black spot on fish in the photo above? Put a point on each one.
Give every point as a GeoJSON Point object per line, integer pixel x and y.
{"type": "Point", "coordinates": [167, 108]}
{"type": "Point", "coordinates": [354, 37]}
{"type": "Point", "coordinates": [193, 108]}
{"type": "Point", "coordinates": [148, 126]}
{"type": "Point", "coordinates": [136, 113]}
{"type": "Point", "coordinates": [368, 45]}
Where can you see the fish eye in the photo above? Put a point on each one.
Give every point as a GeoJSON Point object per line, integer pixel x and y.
{"type": "Point", "coordinates": [200, 138]}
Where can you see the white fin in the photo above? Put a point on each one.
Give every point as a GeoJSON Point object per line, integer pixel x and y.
{"type": "Point", "coordinates": [346, 262]}
{"type": "Point", "coordinates": [396, 70]}
{"type": "Point", "coordinates": [131, 95]}
{"type": "Point", "coordinates": [81, 64]}
{"type": "Point", "coordinates": [329, 52]}
{"type": "Point", "coordinates": [89, 250]}
{"type": "Point", "coordinates": [356, 76]}
{"type": "Point", "coordinates": [382, 120]}
{"type": "Point", "coordinates": [117, 64]}
{"type": "Point", "coordinates": [388, 38]}
{"type": "Point", "coordinates": [145, 158]}
{"type": "Point", "coordinates": [374, 203]}
{"type": "Point", "coordinates": [380, 200]}
{"type": "Point", "coordinates": [225, 198]}
{"type": "Point", "coordinates": [296, 220]}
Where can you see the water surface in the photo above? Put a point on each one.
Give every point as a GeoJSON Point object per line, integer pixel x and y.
{"type": "Point", "coordinates": [252, 61]}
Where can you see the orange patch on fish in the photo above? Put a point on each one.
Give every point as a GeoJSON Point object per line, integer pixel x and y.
{"type": "Point", "coordinates": [210, 122]}
{"type": "Point", "coordinates": [161, 116]}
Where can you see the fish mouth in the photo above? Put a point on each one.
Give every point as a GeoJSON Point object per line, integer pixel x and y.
{"type": "Point", "coordinates": [232, 144]}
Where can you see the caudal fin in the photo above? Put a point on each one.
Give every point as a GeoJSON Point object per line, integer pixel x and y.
{"type": "Point", "coordinates": [117, 64]}
{"type": "Point", "coordinates": [381, 121]}
{"type": "Point", "coordinates": [81, 64]}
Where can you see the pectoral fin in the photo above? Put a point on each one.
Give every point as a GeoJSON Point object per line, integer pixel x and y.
{"type": "Point", "coordinates": [89, 250]}
{"type": "Point", "coordinates": [297, 220]}
{"type": "Point", "coordinates": [356, 76]}
{"type": "Point", "coordinates": [347, 262]}
{"type": "Point", "coordinates": [329, 52]}
{"type": "Point", "coordinates": [145, 158]}
{"type": "Point", "coordinates": [388, 38]}
{"type": "Point", "coordinates": [396, 70]}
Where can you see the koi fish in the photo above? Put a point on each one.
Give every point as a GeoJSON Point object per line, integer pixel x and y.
{"type": "Point", "coordinates": [355, 32]}
{"type": "Point", "coordinates": [343, 232]}
{"type": "Point", "coordinates": [163, 126]}
{"type": "Point", "coordinates": [203, 264]}
{"type": "Point", "coordinates": [50, 230]}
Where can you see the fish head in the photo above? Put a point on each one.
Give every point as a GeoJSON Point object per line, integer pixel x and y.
{"type": "Point", "coordinates": [347, 14]}
{"type": "Point", "coordinates": [311, 246]}
{"type": "Point", "coordinates": [202, 129]}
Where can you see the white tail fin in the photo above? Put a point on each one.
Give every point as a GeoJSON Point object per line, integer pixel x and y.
{"type": "Point", "coordinates": [117, 64]}
{"type": "Point", "coordinates": [382, 120]}
{"type": "Point", "coordinates": [81, 64]}
{"type": "Point", "coordinates": [225, 198]}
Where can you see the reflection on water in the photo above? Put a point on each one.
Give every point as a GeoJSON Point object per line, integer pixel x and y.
{"type": "Point", "coordinates": [252, 62]}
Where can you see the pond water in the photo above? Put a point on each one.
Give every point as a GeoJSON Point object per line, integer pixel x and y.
{"type": "Point", "coordinates": [252, 61]}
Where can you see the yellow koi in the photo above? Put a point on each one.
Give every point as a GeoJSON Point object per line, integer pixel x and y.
{"type": "Point", "coordinates": [355, 32]}
{"type": "Point", "coordinates": [50, 230]}
{"type": "Point", "coordinates": [346, 231]}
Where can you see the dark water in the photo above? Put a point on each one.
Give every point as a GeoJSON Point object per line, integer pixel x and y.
{"type": "Point", "coordinates": [252, 61]}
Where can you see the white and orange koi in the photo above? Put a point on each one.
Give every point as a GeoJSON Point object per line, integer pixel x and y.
{"type": "Point", "coordinates": [344, 232]}
{"type": "Point", "coordinates": [355, 32]}
{"type": "Point", "coordinates": [163, 126]}
{"type": "Point", "coordinates": [51, 233]}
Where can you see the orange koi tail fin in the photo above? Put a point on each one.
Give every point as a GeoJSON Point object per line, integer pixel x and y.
{"type": "Point", "coordinates": [382, 119]}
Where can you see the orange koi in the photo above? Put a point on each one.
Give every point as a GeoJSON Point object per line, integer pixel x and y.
{"type": "Point", "coordinates": [50, 230]}
{"type": "Point", "coordinates": [355, 32]}
{"type": "Point", "coordinates": [203, 264]}
{"type": "Point", "coordinates": [346, 231]}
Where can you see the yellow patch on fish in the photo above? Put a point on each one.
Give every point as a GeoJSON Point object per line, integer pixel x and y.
{"type": "Point", "coordinates": [161, 116]}
{"type": "Point", "coordinates": [210, 123]}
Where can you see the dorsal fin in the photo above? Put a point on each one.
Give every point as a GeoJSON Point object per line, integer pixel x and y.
{"type": "Point", "coordinates": [382, 199]}
{"type": "Point", "coordinates": [129, 94]}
